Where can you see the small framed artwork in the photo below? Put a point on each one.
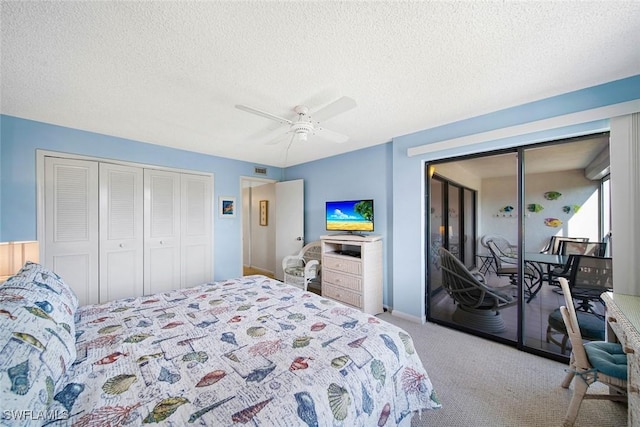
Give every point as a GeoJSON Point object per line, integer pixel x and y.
{"type": "Point", "coordinates": [227, 206]}
{"type": "Point", "coordinates": [264, 212]}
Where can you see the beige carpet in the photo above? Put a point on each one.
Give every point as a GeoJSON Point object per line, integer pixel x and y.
{"type": "Point", "coordinates": [482, 383]}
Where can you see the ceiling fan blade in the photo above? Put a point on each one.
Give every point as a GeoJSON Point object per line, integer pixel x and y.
{"type": "Point", "coordinates": [270, 116]}
{"type": "Point", "coordinates": [331, 136]}
{"type": "Point", "coordinates": [338, 106]}
{"type": "Point", "coordinates": [278, 139]}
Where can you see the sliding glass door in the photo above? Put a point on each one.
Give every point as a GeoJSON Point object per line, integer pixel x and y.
{"type": "Point", "coordinates": [456, 208]}
{"type": "Point", "coordinates": [518, 198]}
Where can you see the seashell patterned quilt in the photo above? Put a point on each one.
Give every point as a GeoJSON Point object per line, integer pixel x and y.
{"type": "Point", "coordinates": [250, 350]}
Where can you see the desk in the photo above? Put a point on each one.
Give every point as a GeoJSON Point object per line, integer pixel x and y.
{"type": "Point", "coordinates": [623, 320]}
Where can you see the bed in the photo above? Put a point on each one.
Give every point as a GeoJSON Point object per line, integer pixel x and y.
{"type": "Point", "coordinates": [248, 350]}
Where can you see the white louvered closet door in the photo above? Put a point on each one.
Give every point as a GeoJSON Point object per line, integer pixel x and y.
{"type": "Point", "coordinates": [196, 229]}
{"type": "Point", "coordinates": [121, 232]}
{"type": "Point", "coordinates": [161, 231]}
{"type": "Point", "coordinates": [71, 224]}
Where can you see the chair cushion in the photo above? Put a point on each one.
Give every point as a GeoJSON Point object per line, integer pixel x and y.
{"type": "Point", "coordinates": [591, 326]}
{"type": "Point", "coordinates": [295, 271]}
{"type": "Point", "coordinates": [608, 358]}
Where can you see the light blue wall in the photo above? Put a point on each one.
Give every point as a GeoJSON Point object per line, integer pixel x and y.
{"type": "Point", "coordinates": [20, 138]}
{"type": "Point", "coordinates": [361, 174]}
{"type": "Point", "coordinates": [384, 173]}
{"type": "Point", "coordinates": [408, 172]}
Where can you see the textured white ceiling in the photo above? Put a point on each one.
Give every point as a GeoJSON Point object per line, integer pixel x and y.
{"type": "Point", "coordinates": [170, 73]}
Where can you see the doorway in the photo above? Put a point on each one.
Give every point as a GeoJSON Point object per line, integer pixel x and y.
{"type": "Point", "coordinates": [257, 241]}
{"type": "Point", "coordinates": [272, 223]}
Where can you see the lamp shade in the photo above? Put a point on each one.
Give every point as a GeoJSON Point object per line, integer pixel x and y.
{"type": "Point", "coordinates": [13, 255]}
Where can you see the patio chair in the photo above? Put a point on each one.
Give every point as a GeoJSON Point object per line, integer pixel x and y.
{"type": "Point", "coordinates": [553, 246]}
{"type": "Point", "coordinates": [590, 277]}
{"type": "Point", "coordinates": [575, 248]}
{"type": "Point", "coordinates": [506, 266]}
{"type": "Point", "coordinates": [304, 268]}
{"type": "Point", "coordinates": [477, 305]}
{"type": "Point", "coordinates": [502, 243]}
{"type": "Point", "coordinates": [596, 361]}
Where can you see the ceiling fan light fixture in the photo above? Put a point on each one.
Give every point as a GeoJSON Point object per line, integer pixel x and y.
{"type": "Point", "coordinates": [305, 125]}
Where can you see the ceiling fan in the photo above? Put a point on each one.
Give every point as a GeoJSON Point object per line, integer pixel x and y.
{"type": "Point", "coordinates": [307, 124]}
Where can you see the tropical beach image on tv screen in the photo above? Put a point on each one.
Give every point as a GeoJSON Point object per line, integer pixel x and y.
{"type": "Point", "coordinates": [350, 215]}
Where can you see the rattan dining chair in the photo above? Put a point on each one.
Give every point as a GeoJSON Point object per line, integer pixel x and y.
{"type": "Point", "coordinates": [596, 361]}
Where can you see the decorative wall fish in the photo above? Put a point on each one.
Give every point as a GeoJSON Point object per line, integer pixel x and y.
{"type": "Point", "coordinates": [552, 222]}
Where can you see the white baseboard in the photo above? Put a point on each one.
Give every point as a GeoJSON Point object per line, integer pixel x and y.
{"type": "Point", "coordinates": [409, 317]}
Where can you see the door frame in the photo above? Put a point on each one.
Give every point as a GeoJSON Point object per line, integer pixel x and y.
{"type": "Point", "coordinates": [249, 181]}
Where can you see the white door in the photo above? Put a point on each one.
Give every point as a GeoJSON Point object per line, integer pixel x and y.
{"type": "Point", "coordinates": [121, 232]}
{"type": "Point", "coordinates": [161, 231]}
{"type": "Point", "coordinates": [71, 224]}
{"type": "Point", "coordinates": [289, 221]}
{"type": "Point", "coordinates": [196, 229]}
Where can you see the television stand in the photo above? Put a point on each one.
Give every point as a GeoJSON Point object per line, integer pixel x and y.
{"type": "Point", "coordinates": [353, 237]}
{"type": "Point", "coordinates": [352, 270]}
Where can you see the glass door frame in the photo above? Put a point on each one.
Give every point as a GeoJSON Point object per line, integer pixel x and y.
{"type": "Point", "coordinates": [430, 168]}
{"type": "Point", "coordinates": [519, 342]}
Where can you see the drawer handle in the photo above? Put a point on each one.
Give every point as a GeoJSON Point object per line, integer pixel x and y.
{"type": "Point", "coordinates": [633, 388]}
{"type": "Point", "coordinates": [628, 350]}
{"type": "Point", "coordinates": [612, 319]}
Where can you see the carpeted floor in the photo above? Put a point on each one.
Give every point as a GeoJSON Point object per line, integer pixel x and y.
{"type": "Point", "coordinates": [482, 383]}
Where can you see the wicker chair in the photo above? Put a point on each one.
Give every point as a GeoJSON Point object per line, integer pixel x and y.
{"type": "Point", "coordinates": [596, 361]}
{"type": "Point", "coordinates": [477, 305]}
{"type": "Point", "coordinates": [303, 268]}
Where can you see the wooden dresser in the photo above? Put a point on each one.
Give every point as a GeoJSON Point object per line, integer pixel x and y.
{"type": "Point", "coordinates": [352, 271]}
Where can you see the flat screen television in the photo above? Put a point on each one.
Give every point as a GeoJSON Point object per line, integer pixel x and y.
{"type": "Point", "coordinates": [353, 216]}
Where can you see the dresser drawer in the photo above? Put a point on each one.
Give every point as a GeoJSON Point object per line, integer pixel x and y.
{"type": "Point", "coordinates": [342, 295]}
{"type": "Point", "coordinates": [340, 263]}
{"type": "Point", "coordinates": [342, 280]}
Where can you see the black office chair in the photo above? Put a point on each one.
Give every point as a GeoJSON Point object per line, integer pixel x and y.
{"type": "Point", "coordinates": [575, 248]}
{"type": "Point", "coordinates": [553, 246]}
{"type": "Point", "coordinates": [590, 277]}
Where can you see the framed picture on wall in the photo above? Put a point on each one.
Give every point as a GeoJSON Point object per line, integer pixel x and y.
{"type": "Point", "coordinates": [264, 212]}
{"type": "Point", "coordinates": [227, 206]}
